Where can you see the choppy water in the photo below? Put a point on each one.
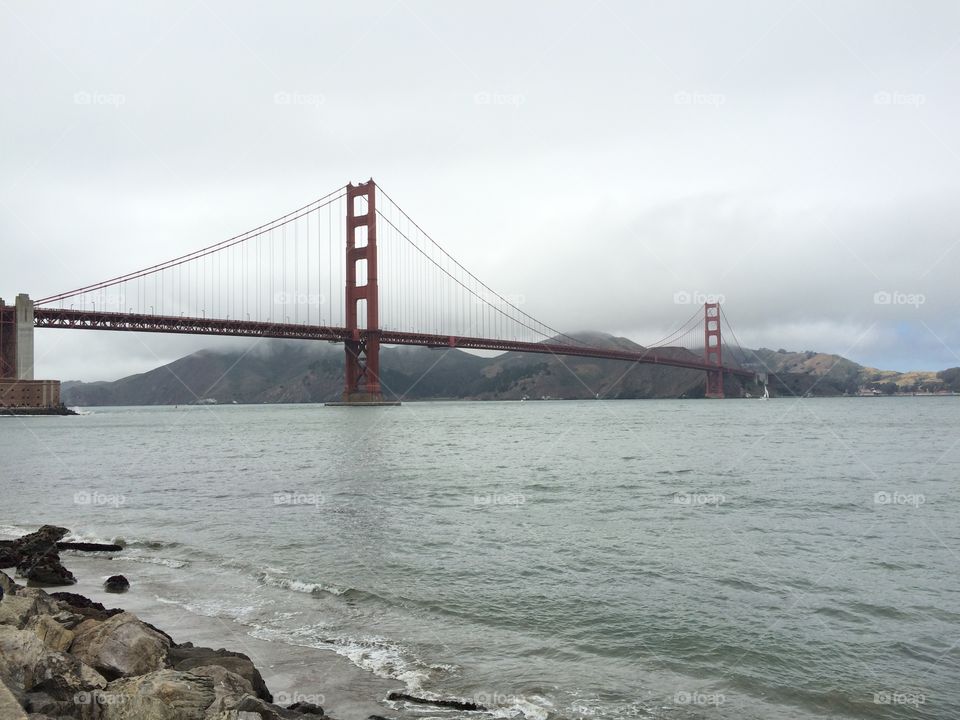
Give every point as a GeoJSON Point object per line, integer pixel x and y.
{"type": "Point", "coordinates": [675, 559]}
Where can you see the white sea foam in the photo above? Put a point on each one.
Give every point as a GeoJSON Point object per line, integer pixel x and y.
{"type": "Point", "coordinates": [384, 659]}
{"type": "Point", "coordinates": [167, 562]}
{"type": "Point", "coordinates": [311, 588]}
{"type": "Point", "coordinates": [13, 531]}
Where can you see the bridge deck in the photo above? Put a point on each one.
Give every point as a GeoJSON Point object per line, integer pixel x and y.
{"type": "Point", "coordinates": [48, 317]}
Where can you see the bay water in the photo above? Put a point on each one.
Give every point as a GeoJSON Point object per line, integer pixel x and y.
{"type": "Point", "coordinates": [605, 559]}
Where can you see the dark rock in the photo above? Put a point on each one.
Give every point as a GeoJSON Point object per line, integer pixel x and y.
{"type": "Point", "coordinates": [37, 557]}
{"type": "Point", "coordinates": [116, 584]}
{"type": "Point", "coordinates": [455, 704]}
{"type": "Point", "coordinates": [82, 546]}
{"type": "Point", "coordinates": [40, 542]}
{"type": "Point", "coordinates": [9, 558]}
{"type": "Point", "coordinates": [89, 547]}
{"type": "Point", "coordinates": [85, 606]}
{"type": "Point", "coordinates": [45, 570]}
{"type": "Point", "coordinates": [184, 658]}
{"type": "Point", "coordinates": [158, 631]}
{"type": "Point", "coordinates": [306, 708]}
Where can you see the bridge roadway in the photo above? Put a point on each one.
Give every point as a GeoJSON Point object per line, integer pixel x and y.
{"type": "Point", "coordinates": [49, 317]}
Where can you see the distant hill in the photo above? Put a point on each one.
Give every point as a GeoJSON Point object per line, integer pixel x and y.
{"type": "Point", "coordinates": [279, 371]}
{"type": "Point", "coordinates": [296, 371]}
{"type": "Point", "coordinates": [821, 374]}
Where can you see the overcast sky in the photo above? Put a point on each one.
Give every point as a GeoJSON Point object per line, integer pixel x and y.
{"type": "Point", "coordinates": [597, 158]}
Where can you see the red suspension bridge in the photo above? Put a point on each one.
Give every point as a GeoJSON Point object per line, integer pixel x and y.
{"type": "Point", "coordinates": [351, 267]}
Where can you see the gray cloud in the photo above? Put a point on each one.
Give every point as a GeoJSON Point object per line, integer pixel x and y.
{"type": "Point", "coordinates": [797, 158]}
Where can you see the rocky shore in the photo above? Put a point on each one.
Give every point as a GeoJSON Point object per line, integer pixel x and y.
{"type": "Point", "coordinates": [65, 656]}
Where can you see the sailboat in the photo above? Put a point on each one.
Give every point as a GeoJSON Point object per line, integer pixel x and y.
{"type": "Point", "coordinates": [766, 393]}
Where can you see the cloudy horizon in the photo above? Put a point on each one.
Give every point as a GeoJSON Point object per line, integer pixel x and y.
{"type": "Point", "coordinates": [608, 163]}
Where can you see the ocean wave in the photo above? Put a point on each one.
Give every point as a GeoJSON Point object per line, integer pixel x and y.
{"type": "Point", "coordinates": [302, 586]}
{"type": "Point", "coordinates": [14, 531]}
{"type": "Point", "coordinates": [167, 562]}
{"type": "Point", "coordinates": [384, 659]}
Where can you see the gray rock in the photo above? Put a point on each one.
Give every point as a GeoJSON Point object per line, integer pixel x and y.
{"type": "Point", "coordinates": [7, 584]}
{"type": "Point", "coordinates": [19, 609]}
{"type": "Point", "coordinates": [230, 690]}
{"type": "Point", "coordinates": [159, 695]}
{"type": "Point", "coordinates": [27, 665]}
{"type": "Point", "coordinates": [51, 633]}
{"type": "Point", "coordinates": [10, 709]}
{"type": "Point", "coordinates": [187, 658]}
{"type": "Point", "coordinates": [121, 646]}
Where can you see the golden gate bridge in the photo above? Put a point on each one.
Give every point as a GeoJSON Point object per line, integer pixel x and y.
{"type": "Point", "coordinates": [350, 267]}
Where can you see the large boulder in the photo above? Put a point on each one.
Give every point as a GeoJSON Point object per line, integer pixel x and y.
{"type": "Point", "coordinates": [25, 604]}
{"type": "Point", "coordinates": [229, 689]}
{"type": "Point", "coordinates": [28, 665]}
{"type": "Point", "coordinates": [17, 611]}
{"type": "Point", "coordinates": [159, 695]}
{"type": "Point", "coordinates": [186, 657]}
{"type": "Point", "coordinates": [121, 646]}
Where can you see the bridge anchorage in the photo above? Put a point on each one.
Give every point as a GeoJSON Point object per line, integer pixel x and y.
{"type": "Point", "coordinates": [351, 267]}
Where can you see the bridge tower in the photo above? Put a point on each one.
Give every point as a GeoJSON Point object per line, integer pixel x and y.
{"type": "Point", "coordinates": [362, 350]}
{"type": "Point", "coordinates": [712, 349]}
